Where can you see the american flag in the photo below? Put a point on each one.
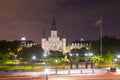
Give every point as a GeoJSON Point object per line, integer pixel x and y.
{"type": "Point", "coordinates": [98, 22]}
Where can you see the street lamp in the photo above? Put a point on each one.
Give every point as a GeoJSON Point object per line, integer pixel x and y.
{"type": "Point", "coordinates": [77, 60]}
{"type": "Point", "coordinates": [87, 55]}
{"type": "Point", "coordinates": [86, 60]}
{"type": "Point", "coordinates": [33, 58]}
{"type": "Point", "coordinates": [117, 59]}
{"type": "Point", "coordinates": [56, 61]}
{"type": "Point", "coordinates": [45, 56]}
{"type": "Point", "coordinates": [90, 55]}
{"type": "Point", "coordinates": [118, 56]}
{"type": "Point", "coordinates": [15, 58]}
{"type": "Point", "coordinates": [46, 72]}
{"type": "Point", "coordinates": [70, 60]}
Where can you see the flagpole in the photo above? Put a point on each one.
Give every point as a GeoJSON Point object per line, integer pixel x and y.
{"type": "Point", "coordinates": [101, 37]}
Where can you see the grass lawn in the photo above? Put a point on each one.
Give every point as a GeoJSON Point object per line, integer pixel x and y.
{"type": "Point", "coordinates": [21, 67]}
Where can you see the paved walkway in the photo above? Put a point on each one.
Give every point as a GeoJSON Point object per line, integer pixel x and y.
{"type": "Point", "coordinates": [73, 74]}
{"type": "Point", "coordinates": [60, 72]}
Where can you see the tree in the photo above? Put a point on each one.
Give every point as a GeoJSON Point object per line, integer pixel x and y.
{"type": "Point", "coordinates": [97, 59]}
{"type": "Point", "coordinates": [79, 52]}
{"type": "Point", "coordinates": [14, 46]}
{"type": "Point", "coordinates": [110, 44]}
{"type": "Point", "coordinates": [3, 58]}
{"type": "Point", "coordinates": [65, 59]}
{"type": "Point", "coordinates": [8, 49]}
{"type": "Point", "coordinates": [4, 47]}
{"type": "Point", "coordinates": [27, 52]}
{"type": "Point", "coordinates": [108, 58]}
{"type": "Point", "coordinates": [56, 54]}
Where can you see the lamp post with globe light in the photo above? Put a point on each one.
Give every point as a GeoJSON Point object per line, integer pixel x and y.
{"type": "Point", "coordinates": [70, 60]}
{"type": "Point", "coordinates": [117, 59]}
{"type": "Point", "coordinates": [45, 56]}
{"type": "Point", "coordinates": [33, 58]}
{"type": "Point", "coordinates": [88, 55]}
{"type": "Point", "coordinates": [46, 73]}
{"type": "Point", "coordinates": [118, 56]}
{"type": "Point", "coordinates": [86, 60]}
{"type": "Point", "coordinates": [15, 58]}
{"type": "Point", "coordinates": [56, 61]}
{"type": "Point", "coordinates": [91, 55]}
{"type": "Point", "coordinates": [77, 60]}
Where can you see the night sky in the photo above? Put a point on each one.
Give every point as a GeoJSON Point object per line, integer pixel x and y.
{"type": "Point", "coordinates": [74, 18]}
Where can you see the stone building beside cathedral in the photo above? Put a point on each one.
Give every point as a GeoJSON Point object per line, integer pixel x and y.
{"type": "Point", "coordinates": [54, 43]}
{"type": "Point", "coordinates": [78, 44]}
{"type": "Point", "coordinates": [26, 43]}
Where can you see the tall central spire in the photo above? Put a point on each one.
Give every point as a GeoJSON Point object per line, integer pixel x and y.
{"type": "Point", "coordinates": [54, 24]}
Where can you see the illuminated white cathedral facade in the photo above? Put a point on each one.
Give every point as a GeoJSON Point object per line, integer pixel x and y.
{"type": "Point", "coordinates": [54, 43]}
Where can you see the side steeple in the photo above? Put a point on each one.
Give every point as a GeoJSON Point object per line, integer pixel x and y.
{"type": "Point", "coordinates": [54, 24]}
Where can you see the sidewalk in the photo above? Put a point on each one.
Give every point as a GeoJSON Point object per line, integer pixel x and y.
{"type": "Point", "coordinates": [79, 71]}
{"type": "Point", "coordinates": [63, 72]}
{"type": "Point", "coordinates": [68, 74]}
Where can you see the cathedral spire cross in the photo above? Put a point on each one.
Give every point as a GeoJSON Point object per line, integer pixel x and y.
{"type": "Point", "coordinates": [54, 24]}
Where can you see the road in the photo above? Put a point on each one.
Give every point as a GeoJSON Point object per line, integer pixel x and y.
{"type": "Point", "coordinates": [75, 74]}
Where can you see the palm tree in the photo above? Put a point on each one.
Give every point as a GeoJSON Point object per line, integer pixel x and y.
{"type": "Point", "coordinates": [65, 60]}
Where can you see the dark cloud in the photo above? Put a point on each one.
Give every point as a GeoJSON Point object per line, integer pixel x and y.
{"type": "Point", "coordinates": [75, 18]}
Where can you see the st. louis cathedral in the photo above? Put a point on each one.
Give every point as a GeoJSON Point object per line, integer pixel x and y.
{"type": "Point", "coordinates": [54, 42]}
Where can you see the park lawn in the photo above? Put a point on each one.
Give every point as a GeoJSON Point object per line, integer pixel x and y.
{"type": "Point", "coordinates": [26, 67]}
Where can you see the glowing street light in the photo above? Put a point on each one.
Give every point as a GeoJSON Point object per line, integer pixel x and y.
{"type": "Point", "coordinates": [46, 72]}
{"type": "Point", "coordinates": [34, 57]}
{"type": "Point", "coordinates": [77, 60]}
{"type": "Point", "coordinates": [115, 59]}
{"type": "Point", "coordinates": [45, 56]}
{"type": "Point", "coordinates": [56, 61]}
{"type": "Point", "coordinates": [86, 61]}
{"type": "Point", "coordinates": [70, 60]}
{"type": "Point", "coordinates": [77, 54]}
{"type": "Point", "coordinates": [15, 57]}
{"type": "Point", "coordinates": [118, 56]}
{"type": "Point", "coordinates": [70, 55]}
{"type": "Point", "coordinates": [88, 54]}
